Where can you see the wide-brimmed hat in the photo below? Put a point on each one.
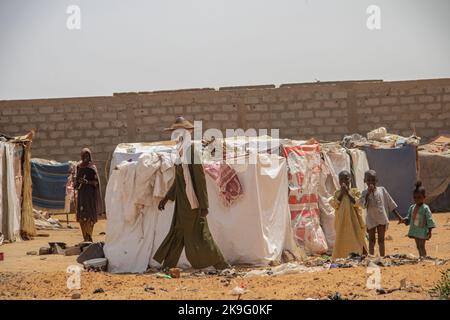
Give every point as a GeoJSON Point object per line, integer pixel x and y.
{"type": "Point", "coordinates": [180, 123]}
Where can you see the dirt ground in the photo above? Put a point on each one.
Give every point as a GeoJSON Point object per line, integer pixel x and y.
{"type": "Point", "coordinates": [25, 276]}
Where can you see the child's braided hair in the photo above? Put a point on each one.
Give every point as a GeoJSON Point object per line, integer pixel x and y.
{"type": "Point", "coordinates": [419, 188]}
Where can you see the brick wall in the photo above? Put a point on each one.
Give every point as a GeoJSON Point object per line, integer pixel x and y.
{"type": "Point", "coordinates": [326, 111]}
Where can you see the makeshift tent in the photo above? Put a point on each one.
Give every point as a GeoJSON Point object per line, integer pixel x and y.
{"type": "Point", "coordinates": [434, 172]}
{"type": "Point", "coordinates": [254, 230]}
{"type": "Point", "coordinates": [396, 171]}
{"type": "Point", "coordinates": [16, 212]}
{"type": "Point", "coordinates": [136, 228]}
{"type": "Point", "coordinates": [132, 151]}
{"type": "Point", "coordinates": [50, 179]}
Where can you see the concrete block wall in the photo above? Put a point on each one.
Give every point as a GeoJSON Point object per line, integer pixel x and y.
{"type": "Point", "coordinates": [326, 111]}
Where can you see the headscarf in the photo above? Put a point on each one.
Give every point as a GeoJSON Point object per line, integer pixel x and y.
{"type": "Point", "coordinates": [90, 164]}
{"type": "Point", "coordinates": [184, 142]}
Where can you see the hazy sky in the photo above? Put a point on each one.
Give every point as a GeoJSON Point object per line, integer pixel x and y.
{"type": "Point", "coordinates": [149, 45]}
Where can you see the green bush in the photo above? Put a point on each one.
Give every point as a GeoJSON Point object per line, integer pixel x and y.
{"type": "Point", "coordinates": [442, 288]}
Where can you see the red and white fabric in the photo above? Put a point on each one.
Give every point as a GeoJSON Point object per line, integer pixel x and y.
{"type": "Point", "coordinates": [304, 176]}
{"type": "Point", "coordinates": [226, 180]}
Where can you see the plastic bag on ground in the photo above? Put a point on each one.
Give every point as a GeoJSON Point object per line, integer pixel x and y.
{"type": "Point", "coordinates": [315, 241]}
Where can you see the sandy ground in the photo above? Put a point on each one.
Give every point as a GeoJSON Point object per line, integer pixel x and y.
{"type": "Point", "coordinates": [25, 276]}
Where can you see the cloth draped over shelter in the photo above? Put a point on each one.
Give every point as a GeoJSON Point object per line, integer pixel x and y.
{"type": "Point", "coordinates": [16, 210]}
{"type": "Point", "coordinates": [434, 164]}
{"type": "Point", "coordinates": [255, 231]}
{"type": "Point", "coordinates": [49, 184]}
{"type": "Point", "coordinates": [132, 196]}
{"type": "Point", "coordinates": [304, 179]}
{"type": "Point", "coordinates": [226, 180]}
{"type": "Point", "coordinates": [396, 171]}
{"type": "Point", "coordinates": [11, 199]}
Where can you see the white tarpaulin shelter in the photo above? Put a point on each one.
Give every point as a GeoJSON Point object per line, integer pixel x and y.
{"type": "Point", "coordinates": [132, 151]}
{"type": "Point", "coordinates": [255, 230]}
{"type": "Point", "coordinates": [10, 205]}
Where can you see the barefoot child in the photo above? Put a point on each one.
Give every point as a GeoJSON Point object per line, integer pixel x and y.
{"type": "Point", "coordinates": [419, 220]}
{"type": "Point", "coordinates": [378, 203]}
{"type": "Point", "coordinates": [349, 223]}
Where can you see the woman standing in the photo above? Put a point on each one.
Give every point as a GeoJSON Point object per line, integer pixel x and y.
{"type": "Point", "coordinates": [89, 203]}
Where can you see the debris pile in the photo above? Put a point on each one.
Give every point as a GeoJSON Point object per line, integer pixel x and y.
{"type": "Point", "coordinates": [43, 221]}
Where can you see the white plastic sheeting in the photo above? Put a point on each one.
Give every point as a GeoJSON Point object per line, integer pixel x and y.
{"type": "Point", "coordinates": [2, 185]}
{"type": "Point", "coordinates": [253, 231]}
{"type": "Point", "coordinates": [132, 152]}
{"type": "Point", "coordinates": [10, 205]}
{"type": "Point", "coordinates": [326, 190]}
{"type": "Point", "coordinates": [360, 166]}
{"type": "Point", "coordinates": [337, 160]}
{"type": "Point", "coordinates": [132, 213]}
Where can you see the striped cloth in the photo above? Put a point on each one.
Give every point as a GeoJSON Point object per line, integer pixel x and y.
{"type": "Point", "coordinates": [49, 184]}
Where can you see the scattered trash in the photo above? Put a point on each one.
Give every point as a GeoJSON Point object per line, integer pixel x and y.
{"type": "Point", "coordinates": [287, 256]}
{"type": "Point", "coordinates": [57, 247]}
{"type": "Point", "coordinates": [211, 272]}
{"type": "Point", "coordinates": [175, 272]}
{"type": "Point", "coordinates": [98, 264]}
{"type": "Point", "coordinates": [229, 273]}
{"type": "Point", "coordinates": [31, 253]}
{"type": "Point", "coordinates": [226, 282]}
{"type": "Point", "coordinates": [163, 275]}
{"type": "Point", "coordinates": [92, 251]}
{"type": "Point", "coordinates": [150, 289]}
{"type": "Point", "coordinates": [76, 295]}
{"type": "Point", "coordinates": [165, 290]}
{"type": "Point", "coordinates": [45, 250]}
{"type": "Point", "coordinates": [238, 291]}
{"type": "Point", "coordinates": [99, 290]}
{"type": "Point", "coordinates": [83, 245]}
{"type": "Point", "coordinates": [2, 256]}
{"type": "Point", "coordinates": [254, 273]}
{"type": "Point", "coordinates": [336, 296]}
{"type": "Point", "coordinates": [386, 291]}
{"type": "Point", "coordinates": [42, 221]}
{"type": "Point", "coordinates": [274, 263]}
{"type": "Point", "coordinates": [72, 251]}
{"type": "Point", "coordinates": [286, 268]}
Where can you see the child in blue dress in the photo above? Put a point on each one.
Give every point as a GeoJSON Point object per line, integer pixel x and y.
{"type": "Point", "coordinates": [419, 220]}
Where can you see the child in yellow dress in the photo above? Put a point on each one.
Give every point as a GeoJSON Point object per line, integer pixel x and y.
{"type": "Point", "coordinates": [349, 222]}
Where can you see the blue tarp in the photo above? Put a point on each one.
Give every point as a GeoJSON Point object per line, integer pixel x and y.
{"type": "Point", "coordinates": [396, 171]}
{"type": "Point", "coordinates": [49, 184]}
